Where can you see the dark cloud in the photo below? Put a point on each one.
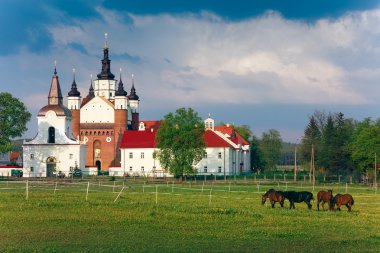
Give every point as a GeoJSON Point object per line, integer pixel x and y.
{"type": "Point", "coordinates": [24, 23]}
{"type": "Point", "coordinates": [242, 9]}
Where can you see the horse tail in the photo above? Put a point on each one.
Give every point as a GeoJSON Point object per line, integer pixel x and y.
{"type": "Point", "coordinates": [352, 200]}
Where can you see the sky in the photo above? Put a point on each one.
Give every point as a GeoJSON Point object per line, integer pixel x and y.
{"type": "Point", "coordinates": [266, 64]}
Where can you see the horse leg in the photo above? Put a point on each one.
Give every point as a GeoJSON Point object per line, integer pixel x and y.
{"type": "Point", "coordinates": [318, 205]}
{"type": "Point", "coordinates": [323, 205]}
{"type": "Point", "coordinates": [308, 204]}
{"type": "Point", "coordinates": [272, 202]}
{"type": "Point", "coordinates": [282, 203]}
{"type": "Point", "coordinates": [338, 207]}
{"type": "Point", "coordinates": [348, 207]}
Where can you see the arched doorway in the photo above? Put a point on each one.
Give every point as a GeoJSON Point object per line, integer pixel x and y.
{"type": "Point", "coordinates": [98, 165]}
{"type": "Point", "coordinates": [51, 166]}
{"type": "Point", "coordinates": [97, 154]}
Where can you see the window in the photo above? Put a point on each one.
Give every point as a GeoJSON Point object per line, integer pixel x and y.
{"type": "Point", "coordinates": [142, 168]}
{"type": "Point", "coordinates": [205, 155]}
{"type": "Point", "coordinates": [31, 156]}
{"type": "Point", "coordinates": [51, 133]}
{"type": "Point", "coordinates": [220, 169]}
{"type": "Point", "coordinates": [205, 169]}
{"type": "Point", "coordinates": [142, 155]}
{"type": "Point", "coordinates": [130, 168]}
{"type": "Point", "coordinates": [71, 156]}
{"type": "Point", "coordinates": [220, 155]}
{"type": "Point", "coordinates": [131, 155]}
{"type": "Point", "coordinates": [31, 169]}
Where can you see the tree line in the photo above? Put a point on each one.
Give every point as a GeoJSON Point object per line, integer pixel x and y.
{"type": "Point", "coordinates": [339, 145]}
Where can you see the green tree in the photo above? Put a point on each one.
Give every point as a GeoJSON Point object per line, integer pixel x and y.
{"type": "Point", "coordinates": [270, 145]}
{"type": "Point", "coordinates": [312, 135]}
{"type": "Point", "coordinates": [257, 161]}
{"type": "Point", "coordinates": [13, 118]}
{"type": "Point", "coordinates": [244, 131]}
{"type": "Point", "coordinates": [180, 139]}
{"type": "Point", "coordinates": [365, 144]}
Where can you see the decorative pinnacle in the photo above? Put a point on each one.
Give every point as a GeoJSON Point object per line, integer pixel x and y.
{"type": "Point", "coordinates": [55, 66]}
{"type": "Point", "coordinates": [105, 40]}
{"type": "Point", "coordinates": [74, 73]}
{"type": "Point", "coordinates": [91, 76]}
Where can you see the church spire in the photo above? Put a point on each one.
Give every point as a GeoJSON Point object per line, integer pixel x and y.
{"type": "Point", "coordinates": [120, 89]}
{"type": "Point", "coordinates": [74, 91]}
{"type": "Point", "coordinates": [106, 63]}
{"type": "Point", "coordinates": [91, 93]}
{"type": "Point", "coordinates": [132, 94]}
{"type": "Point", "coordinates": [55, 94]}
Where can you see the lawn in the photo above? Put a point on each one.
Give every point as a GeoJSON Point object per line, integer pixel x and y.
{"type": "Point", "coordinates": [188, 217]}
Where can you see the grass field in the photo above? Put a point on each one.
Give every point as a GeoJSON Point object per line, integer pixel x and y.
{"type": "Point", "coordinates": [166, 217]}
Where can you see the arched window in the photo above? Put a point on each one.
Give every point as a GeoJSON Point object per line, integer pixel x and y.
{"type": "Point", "coordinates": [51, 138]}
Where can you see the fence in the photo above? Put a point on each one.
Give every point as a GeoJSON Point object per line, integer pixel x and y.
{"type": "Point", "coordinates": [232, 190]}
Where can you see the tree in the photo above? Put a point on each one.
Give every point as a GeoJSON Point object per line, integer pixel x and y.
{"type": "Point", "coordinates": [244, 131]}
{"type": "Point", "coordinates": [13, 118]}
{"type": "Point", "coordinates": [270, 145]}
{"type": "Point", "coordinates": [312, 135]}
{"type": "Point", "coordinates": [257, 161]}
{"type": "Point", "coordinates": [180, 140]}
{"type": "Point", "coordinates": [365, 144]}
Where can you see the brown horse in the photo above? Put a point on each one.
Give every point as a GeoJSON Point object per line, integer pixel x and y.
{"type": "Point", "coordinates": [324, 197]}
{"type": "Point", "coordinates": [339, 199]}
{"type": "Point", "coordinates": [273, 197]}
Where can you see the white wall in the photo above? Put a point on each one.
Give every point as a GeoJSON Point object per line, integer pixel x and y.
{"type": "Point", "coordinates": [133, 166]}
{"type": "Point", "coordinates": [105, 88]}
{"type": "Point", "coordinates": [97, 111]}
{"type": "Point", "coordinates": [66, 156]}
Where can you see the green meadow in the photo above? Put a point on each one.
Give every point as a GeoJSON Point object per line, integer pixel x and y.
{"type": "Point", "coordinates": [179, 217]}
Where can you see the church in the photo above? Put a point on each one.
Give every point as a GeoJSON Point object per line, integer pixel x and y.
{"type": "Point", "coordinates": [95, 132]}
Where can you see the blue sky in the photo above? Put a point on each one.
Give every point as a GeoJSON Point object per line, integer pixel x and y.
{"type": "Point", "coordinates": [266, 64]}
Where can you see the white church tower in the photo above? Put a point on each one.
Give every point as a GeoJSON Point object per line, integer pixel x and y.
{"type": "Point", "coordinates": [54, 149]}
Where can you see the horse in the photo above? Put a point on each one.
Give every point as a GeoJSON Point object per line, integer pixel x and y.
{"type": "Point", "coordinates": [298, 197]}
{"type": "Point", "coordinates": [273, 197]}
{"type": "Point", "coordinates": [339, 199]}
{"type": "Point", "coordinates": [324, 197]}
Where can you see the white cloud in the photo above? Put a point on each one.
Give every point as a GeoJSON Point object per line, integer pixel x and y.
{"type": "Point", "coordinates": [195, 60]}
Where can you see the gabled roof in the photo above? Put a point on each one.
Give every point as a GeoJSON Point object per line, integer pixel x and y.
{"type": "Point", "coordinates": [86, 100]}
{"type": "Point", "coordinates": [138, 139]}
{"type": "Point", "coordinates": [146, 139]}
{"type": "Point", "coordinates": [214, 141]}
{"type": "Point", "coordinates": [234, 136]}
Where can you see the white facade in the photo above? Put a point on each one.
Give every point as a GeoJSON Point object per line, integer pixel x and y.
{"type": "Point", "coordinates": [105, 88]}
{"type": "Point", "coordinates": [139, 162]}
{"type": "Point", "coordinates": [54, 148]}
{"type": "Point", "coordinates": [104, 111]}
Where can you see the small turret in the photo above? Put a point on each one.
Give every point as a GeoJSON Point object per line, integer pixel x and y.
{"type": "Point", "coordinates": [91, 93]}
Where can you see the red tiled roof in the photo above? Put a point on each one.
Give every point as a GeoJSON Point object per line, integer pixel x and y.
{"type": "Point", "coordinates": [146, 139]}
{"type": "Point", "coordinates": [149, 124]}
{"type": "Point", "coordinates": [138, 139]}
{"type": "Point", "coordinates": [14, 155]}
{"type": "Point", "coordinates": [213, 140]}
{"type": "Point", "coordinates": [229, 130]}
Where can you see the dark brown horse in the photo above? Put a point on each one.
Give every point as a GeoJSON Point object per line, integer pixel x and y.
{"type": "Point", "coordinates": [324, 197]}
{"type": "Point", "coordinates": [273, 197]}
{"type": "Point", "coordinates": [339, 199]}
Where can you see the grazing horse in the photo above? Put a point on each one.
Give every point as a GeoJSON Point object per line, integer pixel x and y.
{"type": "Point", "coordinates": [324, 197]}
{"type": "Point", "coordinates": [273, 197]}
{"type": "Point", "coordinates": [298, 197]}
{"type": "Point", "coordinates": [339, 199]}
